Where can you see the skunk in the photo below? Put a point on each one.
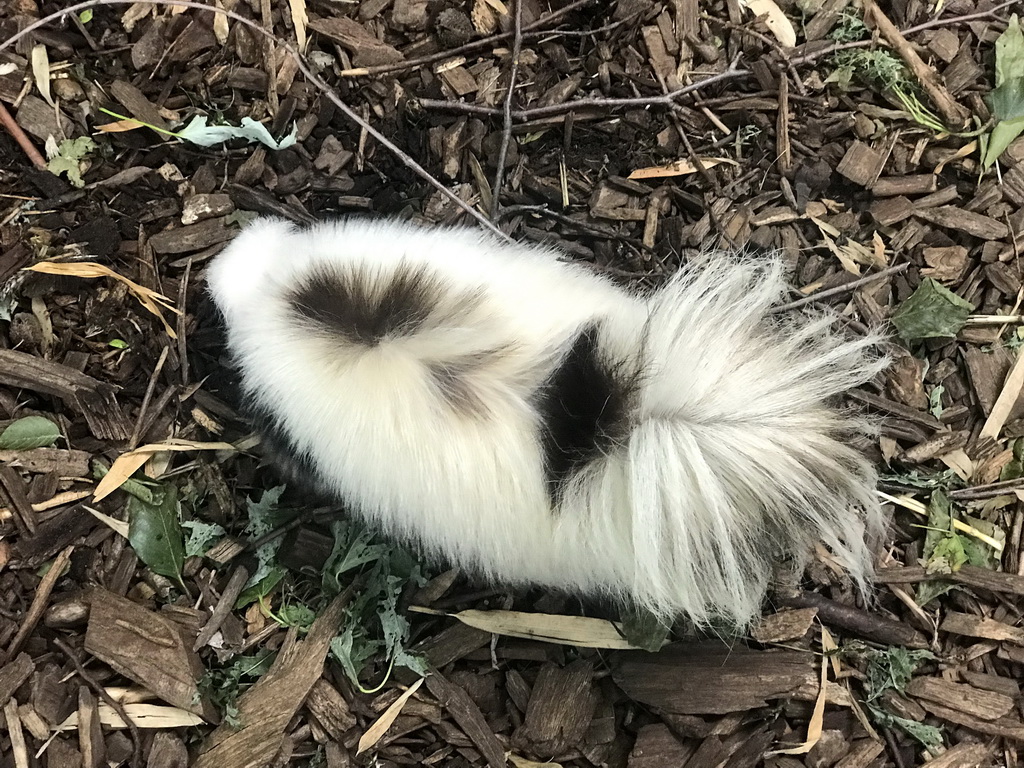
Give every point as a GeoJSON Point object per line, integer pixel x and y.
{"type": "Point", "coordinates": [524, 418]}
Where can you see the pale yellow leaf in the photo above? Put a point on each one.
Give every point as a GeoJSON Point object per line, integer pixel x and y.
{"type": "Point", "coordinates": [119, 126]}
{"type": "Point", "coordinates": [816, 723]}
{"type": "Point", "coordinates": [522, 762]}
{"type": "Point", "coordinates": [143, 715]}
{"type": "Point", "coordinates": [127, 464]}
{"type": "Point", "coordinates": [960, 463]}
{"type": "Point", "coordinates": [382, 723]}
{"type": "Point", "coordinates": [776, 21]}
{"type": "Point", "coordinates": [41, 72]}
{"type": "Point", "coordinates": [581, 631]}
{"type": "Point", "coordinates": [683, 167]}
{"type": "Point", "coordinates": [149, 299]}
{"type": "Point", "coordinates": [220, 24]}
{"type": "Point", "coordinates": [300, 19]}
{"type": "Point", "coordinates": [117, 526]}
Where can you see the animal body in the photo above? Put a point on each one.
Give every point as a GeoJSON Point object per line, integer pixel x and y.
{"type": "Point", "coordinates": [529, 420]}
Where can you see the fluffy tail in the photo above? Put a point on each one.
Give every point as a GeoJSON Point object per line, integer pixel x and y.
{"type": "Point", "coordinates": [737, 461]}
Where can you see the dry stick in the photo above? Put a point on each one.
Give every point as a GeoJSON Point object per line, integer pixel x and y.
{"type": "Point", "coordinates": [844, 288]}
{"type": "Point", "coordinates": [952, 20]}
{"type": "Point", "coordinates": [955, 115]}
{"type": "Point", "coordinates": [667, 99]}
{"type": "Point", "coordinates": [506, 133]}
{"type": "Point", "coordinates": [232, 590]}
{"type": "Point", "coordinates": [106, 697]}
{"type": "Point", "coordinates": [22, 139]}
{"type": "Point", "coordinates": [39, 601]}
{"type": "Point", "coordinates": [300, 62]}
{"type": "Point", "coordinates": [475, 45]}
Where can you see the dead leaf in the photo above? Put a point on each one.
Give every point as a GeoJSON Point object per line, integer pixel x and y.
{"type": "Point", "coordinates": [776, 21]}
{"type": "Point", "coordinates": [682, 167]}
{"type": "Point", "coordinates": [143, 715]}
{"type": "Point", "coordinates": [382, 723]}
{"type": "Point", "coordinates": [581, 631]}
{"type": "Point", "coordinates": [220, 24]}
{"type": "Point", "coordinates": [127, 464]}
{"type": "Point", "coordinates": [150, 299]}
{"type": "Point", "coordinates": [1006, 400]}
{"type": "Point", "coordinates": [41, 72]}
{"type": "Point", "coordinates": [816, 723]}
{"type": "Point", "coordinates": [119, 527]}
{"type": "Point", "coordinates": [299, 19]}
{"type": "Point", "coordinates": [959, 462]}
{"type": "Point", "coordinates": [119, 126]}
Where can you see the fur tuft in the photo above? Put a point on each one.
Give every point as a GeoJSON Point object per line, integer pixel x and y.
{"type": "Point", "coordinates": [526, 419]}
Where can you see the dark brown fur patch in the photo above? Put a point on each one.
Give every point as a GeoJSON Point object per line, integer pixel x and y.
{"type": "Point", "coordinates": [365, 306]}
{"type": "Point", "coordinates": [454, 380]}
{"type": "Point", "coordinates": [584, 407]}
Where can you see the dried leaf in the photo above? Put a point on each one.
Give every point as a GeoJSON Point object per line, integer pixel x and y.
{"type": "Point", "coordinates": [382, 723]}
{"type": "Point", "coordinates": [29, 432]}
{"type": "Point", "coordinates": [150, 300]}
{"type": "Point", "coordinates": [776, 21]}
{"type": "Point", "coordinates": [41, 72]}
{"type": "Point", "coordinates": [581, 631]}
{"type": "Point", "coordinates": [117, 526]}
{"type": "Point", "coordinates": [127, 464]}
{"type": "Point", "coordinates": [300, 19]}
{"type": "Point", "coordinates": [682, 167]}
{"type": "Point", "coordinates": [142, 715]}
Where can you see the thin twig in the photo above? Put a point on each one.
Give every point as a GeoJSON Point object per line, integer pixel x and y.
{"type": "Point", "coordinates": [951, 21]}
{"type": "Point", "coordinates": [7, 121]}
{"type": "Point", "coordinates": [844, 288]}
{"type": "Point", "coordinates": [530, 30]}
{"type": "Point", "coordinates": [300, 62]}
{"type": "Point", "coordinates": [522, 115]}
{"type": "Point", "coordinates": [506, 133]}
{"type": "Point", "coordinates": [110, 700]}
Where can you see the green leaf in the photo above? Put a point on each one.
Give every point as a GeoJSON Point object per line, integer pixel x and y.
{"type": "Point", "coordinates": [71, 152]}
{"type": "Point", "coordinates": [264, 517]}
{"type": "Point", "coordinates": [296, 615]}
{"type": "Point", "coordinates": [118, 343]}
{"type": "Point", "coordinates": [269, 578]}
{"type": "Point", "coordinates": [29, 432]}
{"type": "Point", "coordinates": [201, 536]}
{"type": "Point", "coordinates": [933, 311]}
{"type": "Point", "coordinates": [352, 548]}
{"type": "Point", "coordinates": [1010, 52]}
{"type": "Point", "coordinates": [85, 16]}
{"type": "Point", "coordinates": [645, 630]}
{"type": "Point", "coordinates": [1008, 99]}
{"type": "Point", "coordinates": [892, 668]}
{"type": "Point", "coordinates": [1002, 136]}
{"type": "Point", "coordinates": [353, 649]}
{"type": "Point", "coordinates": [155, 533]}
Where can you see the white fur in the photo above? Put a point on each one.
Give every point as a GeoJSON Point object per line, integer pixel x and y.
{"type": "Point", "coordinates": [730, 438]}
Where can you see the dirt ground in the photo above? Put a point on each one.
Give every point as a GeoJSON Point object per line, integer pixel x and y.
{"type": "Point", "coordinates": [231, 625]}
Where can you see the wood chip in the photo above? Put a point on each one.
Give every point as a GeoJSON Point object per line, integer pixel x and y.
{"type": "Point", "coordinates": [988, 705]}
{"type": "Point", "coordinates": [709, 678]}
{"type": "Point", "coordinates": [265, 710]}
{"type": "Point", "coordinates": [976, 224]}
{"type": "Point", "coordinates": [148, 648]}
{"type": "Point", "coordinates": [979, 626]}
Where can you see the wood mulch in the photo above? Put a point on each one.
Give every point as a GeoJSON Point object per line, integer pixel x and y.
{"type": "Point", "coordinates": [754, 142]}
